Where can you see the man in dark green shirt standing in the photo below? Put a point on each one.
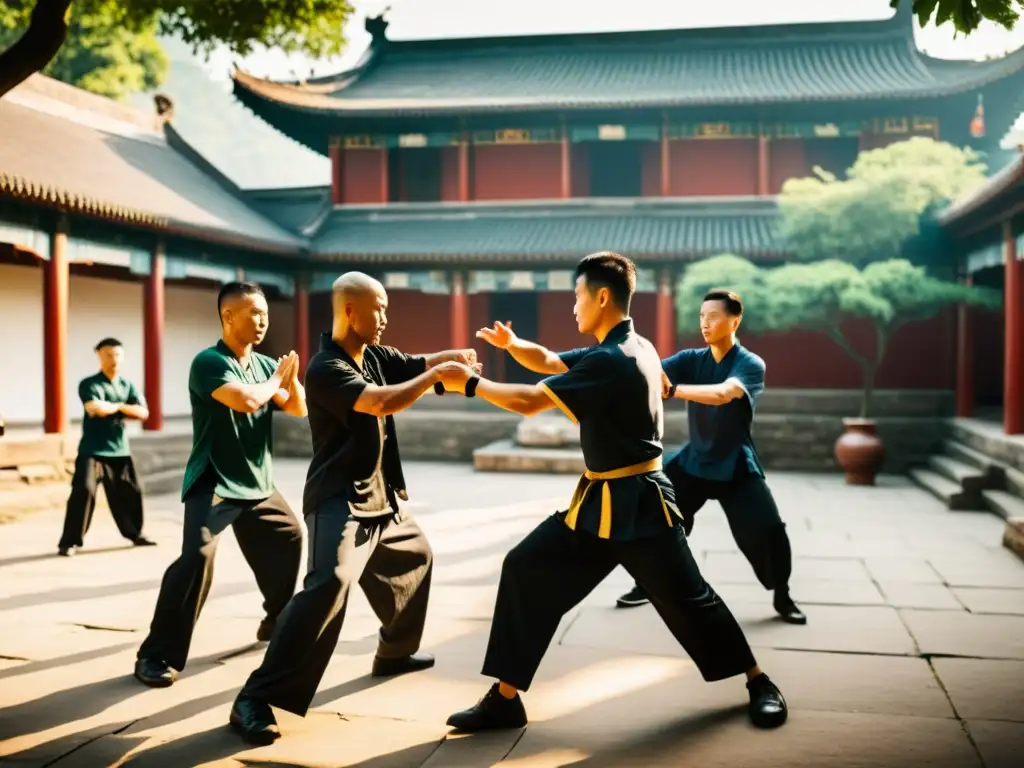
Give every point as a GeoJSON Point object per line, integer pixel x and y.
{"type": "Point", "coordinates": [229, 480]}
{"type": "Point", "coordinates": [103, 454]}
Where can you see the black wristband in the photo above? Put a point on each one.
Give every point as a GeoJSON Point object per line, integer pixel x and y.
{"type": "Point", "coordinates": [671, 391]}
{"type": "Point", "coordinates": [439, 388]}
{"type": "Point", "coordinates": [471, 383]}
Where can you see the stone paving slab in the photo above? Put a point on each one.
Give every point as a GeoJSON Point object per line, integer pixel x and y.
{"type": "Point", "coordinates": [616, 690]}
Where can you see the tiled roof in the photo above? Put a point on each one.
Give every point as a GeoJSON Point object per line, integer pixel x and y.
{"type": "Point", "coordinates": [550, 230]}
{"type": "Point", "coordinates": [673, 68]}
{"type": "Point", "coordinates": [72, 150]}
{"type": "Point", "coordinates": [1009, 178]}
{"type": "Point", "coordinates": [298, 210]}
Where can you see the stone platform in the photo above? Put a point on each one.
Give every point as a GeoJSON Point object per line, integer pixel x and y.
{"type": "Point", "coordinates": [913, 654]}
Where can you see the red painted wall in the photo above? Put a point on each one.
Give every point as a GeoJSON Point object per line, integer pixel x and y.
{"type": "Point", "coordinates": [364, 176]}
{"type": "Point", "coordinates": [651, 173]}
{"type": "Point", "coordinates": [450, 173]}
{"type": "Point", "coordinates": [785, 161]}
{"type": "Point", "coordinates": [517, 171]}
{"type": "Point", "coordinates": [707, 167]}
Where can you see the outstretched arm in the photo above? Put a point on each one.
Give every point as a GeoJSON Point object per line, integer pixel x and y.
{"type": "Point", "coordinates": [531, 356]}
{"type": "Point", "coordinates": [392, 398]}
{"type": "Point", "coordinates": [527, 399]}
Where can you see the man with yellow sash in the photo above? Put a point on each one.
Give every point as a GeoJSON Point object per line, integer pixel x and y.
{"type": "Point", "coordinates": [622, 513]}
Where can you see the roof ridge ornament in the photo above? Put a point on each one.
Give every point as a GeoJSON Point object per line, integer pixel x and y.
{"type": "Point", "coordinates": [377, 27]}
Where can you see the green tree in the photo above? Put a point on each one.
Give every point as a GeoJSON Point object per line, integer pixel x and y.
{"type": "Point", "coordinates": [821, 296]}
{"type": "Point", "coordinates": [100, 55]}
{"type": "Point", "coordinates": [311, 26]}
{"type": "Point", "coordinates": [879, 206]}
{"type": "Point", "coordinates": [965, 15]}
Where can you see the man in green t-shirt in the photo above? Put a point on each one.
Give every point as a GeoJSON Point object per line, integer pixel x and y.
{"type": "Point", "coordinates": [103, 455]}
{"type": "Point", "coordinates": [229, 481]}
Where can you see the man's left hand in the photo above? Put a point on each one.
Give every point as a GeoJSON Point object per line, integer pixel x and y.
{"type": "Point", "coordinates": [464, 356]}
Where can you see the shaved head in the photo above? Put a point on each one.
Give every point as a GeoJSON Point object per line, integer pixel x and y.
{"type": "Point", "coordinates": [360, 306]}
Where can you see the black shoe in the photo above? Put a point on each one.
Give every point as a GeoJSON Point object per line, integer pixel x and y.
{"type": "Point", "coordinates": [254, 720]}
{"type": "Point", "coordinates": [265, 630]}
{"type": "Point", "coordinates": [155, 674]}
{"type": "Point", "coordinates": [788, 611]}
{"type": "Point", "coordinates": [401, 665]}
{"type": "Point", "coordinates": [491, 712]}
{"type": "Point", "coordinates": [635, 596]}
{"type": "Point", "coordinates": [767, 707]}
{"type": "Point", "coordinates": [142, 541]}
{"type": "Point", "coordinates": [66, 551]}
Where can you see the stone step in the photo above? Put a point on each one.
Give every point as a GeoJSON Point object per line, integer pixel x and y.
{"type": "Point", "coordinates": [1013, 481]}
{"type": "Point", "coordinates": [1004, 504]}
{"type": "Point", "coordinates": [970, 478]}
{"type": "Point", "coordinates": [506, 456]}
{"type": "Point", "coordinates": [1013, 537]}
{"type": "Point", "coordinates": [950, 493]}
{"type": "Point", "coordinates": [967, 455]}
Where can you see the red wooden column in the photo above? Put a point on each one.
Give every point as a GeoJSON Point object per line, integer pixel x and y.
{"type": "Point", "coordinates": [566, 163]}
{"type": "Point", "coordinates": [665, 328]}
{"type": "Point", "coordinates": [964, 360]}
{"type": "Point", "coordinates": [464, 189]}
{"type": "Point", "coordinates": [459, 312]}
{"type": "Point", "coordinates": [55, 330]}
{"type": "Point", "coordinates": [153, 339]}
{"type": "Point", "coordinates": [763, 165]}
{"type": "Point", "coordinates": [666, 161]}
{"type": "Point", "coordinates": [337, 153]}
{"type": "Point", "coordinates": [302, 348]}
{"type": "Point", "coordinates": [1013, 370]}
{"type": "Point", "coordinates": [384, 192]}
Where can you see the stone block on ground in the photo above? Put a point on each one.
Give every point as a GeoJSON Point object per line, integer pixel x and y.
{"type": "Point", "coordinates": [984, 689]}
{"type": "Point", "coordinates": [1013, 537]}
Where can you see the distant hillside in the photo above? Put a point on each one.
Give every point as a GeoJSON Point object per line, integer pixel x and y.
{"type": "Point", "coordinates": [239, 144]}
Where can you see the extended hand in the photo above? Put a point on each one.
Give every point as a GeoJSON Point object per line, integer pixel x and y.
{"type": "Point", "coordinates": [500, 336]}
{"type": "Point", "coordinates": [453, 375]}
{"type": "Point", "coordinates": [465, 356]}
{"type": "Point", "coordinates": [666, 385]}
{"type": "Point", "coordinates": [287, 369]}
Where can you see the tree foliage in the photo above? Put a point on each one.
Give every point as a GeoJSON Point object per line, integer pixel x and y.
{"type": "Point", "coordinates": [100, 54]}
{"type": "Point", "coordinates": [314, 27]}
{"type": "Point", "coordinates": [822, 295]}
{"type": "Point", "coordinates": [965, 15]}
{"type": "Point", "coordinates": [878, 207]}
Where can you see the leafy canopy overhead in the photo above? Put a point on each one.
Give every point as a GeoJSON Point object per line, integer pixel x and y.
{"type": "Point", "coordinates": [965, 15]}
{"type": "Point", "coordinates": [871, 215]}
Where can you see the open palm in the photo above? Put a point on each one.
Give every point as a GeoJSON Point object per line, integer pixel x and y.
{"type": "Point", "coordinates": [500, 336]}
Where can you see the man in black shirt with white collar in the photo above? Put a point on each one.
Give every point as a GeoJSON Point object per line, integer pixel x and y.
{"type": "Point", "coordinates": [358, 533]}
{"type": "Point", "coordinates": [622, 513]}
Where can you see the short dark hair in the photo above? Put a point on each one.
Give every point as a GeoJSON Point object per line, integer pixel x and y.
{"type": "Point", "coordinates": [234, 290]}
{"type": "Point", "coordinates": [110, 341]}
{"type": "Point", "coordinates": [607, 269]}
{"type": "Point", "coordinates": [731, 299]}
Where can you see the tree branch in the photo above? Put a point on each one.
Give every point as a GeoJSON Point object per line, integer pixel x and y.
{"type": "Point", "coordinates": [35, 49]}
{"type": "Point", "coordinates": [836, 335]}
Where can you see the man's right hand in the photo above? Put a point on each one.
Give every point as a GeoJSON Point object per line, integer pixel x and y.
{"type": "Point", "coordinates": [500, 336]}
{"type": "Point", "coordinates": [453, 375]}
{"type": "Point", "coordinates": [287, 368]}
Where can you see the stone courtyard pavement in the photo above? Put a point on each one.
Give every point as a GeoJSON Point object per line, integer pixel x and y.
{"type": "Point", "coordinates": [913, 655]}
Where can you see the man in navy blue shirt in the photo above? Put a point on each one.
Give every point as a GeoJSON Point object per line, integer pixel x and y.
{"type": "Point", "coordinates": [622, 513]}
{"type": "Point", "coordinates": [721, 384]}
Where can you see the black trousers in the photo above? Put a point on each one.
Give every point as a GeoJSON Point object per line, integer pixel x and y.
{"type": "Point", "coordinates": [753, 519]}
{"type": "Point", "coordinates": [121, 487]}
{"type": "Point", "coordinates": [388, 557]}
{"type": "Point", "coordinates": [270, 537]}
{"type": "Point", "coordinates": [554, 568]}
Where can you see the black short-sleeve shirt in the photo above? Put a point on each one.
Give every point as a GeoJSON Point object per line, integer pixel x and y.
{"type": "Point", "coordinates": [104, 436]}
{"type": "Point", "coordinates": [355, 455]}
{"type": "Point", "coordinates": [238, 446]}
{"type": "Point", "coordinates": [613, 391]}
{"type": "Point", "coordinates": [720, 435]}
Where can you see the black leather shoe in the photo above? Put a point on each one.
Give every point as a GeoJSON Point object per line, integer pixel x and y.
{"type": "Point", "coordinates": [265, 630]}
{"type": "Point", "coordinates": [493, 711]}
{"type": "Point", "coordinates": [254, 720]}
{"type": "Point", "coordinates": [636, 596]}
{"type": "Point", "coordinates": [767, 707]}
{"type": "Point", "coordinates": [401, 665]}
{"type": "Point", "coordinates": [66, 551]}
{"type": "Point", "coordinates": [142, 541]}
{"type": "Point", "coordinates": [154, 673]}
{"type": "Point", "coordinates": [788, 611]}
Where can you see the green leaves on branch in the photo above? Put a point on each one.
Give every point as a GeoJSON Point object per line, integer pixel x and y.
{"type": "Point", "coordinates": [871, 215]}
{"type": "Point", "coordinates": [965, 15]}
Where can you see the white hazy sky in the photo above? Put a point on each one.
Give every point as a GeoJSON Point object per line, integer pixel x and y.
{"type": "Point", "coordinates": [419, 19]}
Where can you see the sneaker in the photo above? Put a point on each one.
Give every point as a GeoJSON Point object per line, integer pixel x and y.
{"type": "Point", "coordinates": [636, 596]}
{"type": "Point", "coordinates": [491, 712]}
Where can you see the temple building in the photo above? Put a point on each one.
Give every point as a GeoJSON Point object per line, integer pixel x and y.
{"type": "Point", "coordinates": [470, 175]}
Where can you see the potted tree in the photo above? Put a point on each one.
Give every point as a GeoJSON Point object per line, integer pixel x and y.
{"type": "Point", "coordinates": [822, 296]}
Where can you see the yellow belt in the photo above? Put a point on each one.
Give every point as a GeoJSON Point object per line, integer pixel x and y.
{"type": "Point", "coordinates": [587, 481]}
